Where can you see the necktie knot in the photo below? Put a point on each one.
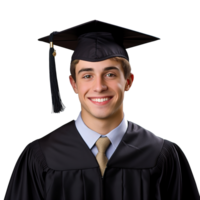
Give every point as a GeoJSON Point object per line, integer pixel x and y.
{"type": "Point", "coordinates": [102, 144]}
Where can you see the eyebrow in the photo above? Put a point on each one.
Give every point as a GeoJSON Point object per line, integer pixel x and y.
{"type": "Point", "coordinates": [91, 69]}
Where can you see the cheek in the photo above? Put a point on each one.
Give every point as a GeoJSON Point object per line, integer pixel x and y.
{"type": "Point", "coordinates": [120, 86]}
{"type": "Point", "coordinates": [82, 90]}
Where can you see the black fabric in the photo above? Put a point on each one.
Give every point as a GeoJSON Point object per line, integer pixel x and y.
{"type": "Point", "coordinates": [97, 46]}
{"type": "Point", "coordinates": [96, 40]}
{"type": "Point", "coordinates": [61, 166]}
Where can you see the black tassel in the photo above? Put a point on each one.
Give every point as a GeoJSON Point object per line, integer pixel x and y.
{"type": "Point", "coordinates": [54, 89]}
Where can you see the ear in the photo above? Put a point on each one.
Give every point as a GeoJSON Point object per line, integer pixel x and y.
{"type": "Point", "coordinates": [132, 80]}
{"type": "Point", "coordinates": [73, 84]}
{"type": "Point", "coordinates": [129, 82]}
{"type": "Point", "coordinates": [127, 85]}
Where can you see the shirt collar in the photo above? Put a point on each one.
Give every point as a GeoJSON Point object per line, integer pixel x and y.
{"type": "Point", "coordinates": [90, 137]}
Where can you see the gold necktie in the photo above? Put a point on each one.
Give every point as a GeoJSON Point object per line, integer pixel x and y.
{"type": "Point", "coordinates": [102, 144]}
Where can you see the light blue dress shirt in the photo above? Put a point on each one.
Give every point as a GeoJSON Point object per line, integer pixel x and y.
{"type": "Point", "coordinates": [90, 137]}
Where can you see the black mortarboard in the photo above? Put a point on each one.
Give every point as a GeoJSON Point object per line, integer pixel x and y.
{"type": "Point", "coordinates": [91, 41]}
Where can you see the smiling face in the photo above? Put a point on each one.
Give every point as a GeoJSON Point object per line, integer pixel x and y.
{"type": "Point", "coordinates": [100, 87]}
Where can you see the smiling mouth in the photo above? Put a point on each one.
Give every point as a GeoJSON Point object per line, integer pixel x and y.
{"type": "Point", "coordinates": [100, 101]}
{"type": "Point", "coordinates": [102, 98]}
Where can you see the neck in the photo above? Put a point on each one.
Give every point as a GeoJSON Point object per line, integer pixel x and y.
{"type": "Point", "coordinates": [102, 125]}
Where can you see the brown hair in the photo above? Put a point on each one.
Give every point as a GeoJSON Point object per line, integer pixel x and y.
{"type": "Point", "coordinates": [125, 65]}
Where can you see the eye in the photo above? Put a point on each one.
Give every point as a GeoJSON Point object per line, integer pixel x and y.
{"type": "Point", "coordinates": [112, 74]}
{"type": "Point", "coordinates": [86, 75]}
{"type": "Point", "coordinates": [90, 75]}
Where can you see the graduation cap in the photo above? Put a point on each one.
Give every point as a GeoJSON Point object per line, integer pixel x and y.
{"type": "Point", "coordinates": [91, 41]}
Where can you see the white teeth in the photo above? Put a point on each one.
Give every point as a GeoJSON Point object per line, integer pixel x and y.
{"type": "Point", "coordinates": [100, 100]}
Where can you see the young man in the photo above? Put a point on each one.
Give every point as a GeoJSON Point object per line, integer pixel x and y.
{"type": "Point", "coordinates": [101, 155]}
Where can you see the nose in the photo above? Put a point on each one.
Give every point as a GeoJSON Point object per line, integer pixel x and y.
{"type": "Point", "coordinates": [99, 84]}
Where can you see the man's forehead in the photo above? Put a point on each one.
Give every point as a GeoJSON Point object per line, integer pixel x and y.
{"type": "Point", "coordinates": [108, 64]}
{"type": "Point", "coordinates": [97, 63]}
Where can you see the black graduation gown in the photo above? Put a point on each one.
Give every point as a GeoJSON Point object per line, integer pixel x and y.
{"type": "Point", "coordinates": [60, 166]}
